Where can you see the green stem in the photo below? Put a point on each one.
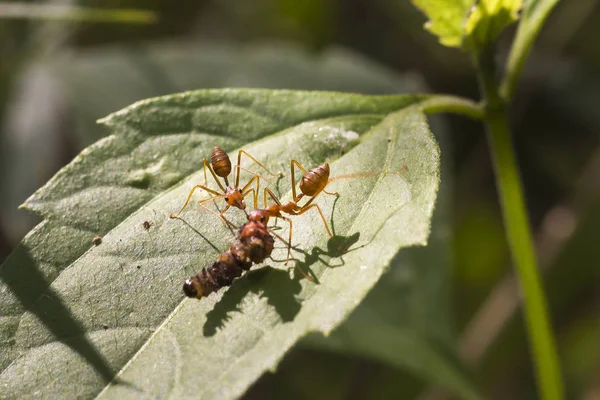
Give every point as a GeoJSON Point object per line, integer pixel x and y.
{"type": "Point", "coordinates": [519, 234]}
{"type": "Point", "coordinates": [534, 15]}
{"type": "Point", "coordinates": [452, 104]}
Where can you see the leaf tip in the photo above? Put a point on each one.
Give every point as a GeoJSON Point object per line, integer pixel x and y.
{"type": "Point", "coordinates": [106, 121]}
{"type": "Point", "coordinates": [29, 204]}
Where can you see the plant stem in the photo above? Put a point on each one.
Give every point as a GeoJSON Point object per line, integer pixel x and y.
{"type": "Point", "coordinates": [452, 104]}
{"type": "Point", "coordinates": [534, 15]}
{"type": "Point", "coordinates": [519, 233]}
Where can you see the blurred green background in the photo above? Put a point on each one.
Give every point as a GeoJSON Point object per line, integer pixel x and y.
{"type": "Point", "coordinates": [57, 77]}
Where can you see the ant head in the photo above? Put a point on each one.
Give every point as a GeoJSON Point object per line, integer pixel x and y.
{"type": "Point", "coordinates": [234, 198]}
{"type": "Point", "coordinates": [191, 288]}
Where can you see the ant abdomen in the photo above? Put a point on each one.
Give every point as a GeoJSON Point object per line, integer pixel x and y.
{"type": "Point", "coordinates": [220, 162]}
{"type": "Point", "coordinates": [315, 180]}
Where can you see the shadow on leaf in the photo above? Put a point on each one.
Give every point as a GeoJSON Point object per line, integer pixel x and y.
{"type": "Point", "coordinates": [29, 285]}
{"type": "Point", "coordinates": [274, 284]}
{"type": "Point", "coordinates": [211, 244]}
{"type": "Point", "coordinates": [337, 247]}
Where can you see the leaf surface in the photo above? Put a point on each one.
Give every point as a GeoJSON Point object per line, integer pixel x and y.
{"type": "Point", "coordinates": [74, 314]}
{"type": "Point", "coordinates": [405, 321]}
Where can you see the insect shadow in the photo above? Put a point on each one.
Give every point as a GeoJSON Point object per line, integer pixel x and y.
{"type": "Point", "coordinates": [337, 247]}
{"type": "Point", "coordinates": [274, 284]}
{"type": "Point", "coordinates": [211, 244]}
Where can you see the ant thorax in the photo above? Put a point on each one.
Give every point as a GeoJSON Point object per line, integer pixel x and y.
{"type": "Point", "coordinates": [288, 207]}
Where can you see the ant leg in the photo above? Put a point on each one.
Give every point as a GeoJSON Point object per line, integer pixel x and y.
{"type": "Point", "coordinates": [217, 194]}
{"type": "Point", "coordinates": [254, 196]}
{"type": "Point", "coordinates": [353, 176]}
{"type": "Point", "coordinates": [278, 237]}
{"type": "Point", "coordinates": [350, 176]}
{"type": "Point", "coordinates": [265, 199]}
{"type": "Point", "coordinates": [254, 190]}
{"type": "Point", "coordinates": [227, 222]}
{"type": "Point", "coordinates": [247, 185]}
{"type": "Point", "coordinates": [308, 203]}
{"type": "Point", "coordinates": [270, 193]}
{"type": "Point", "coordinates": [289, 241]}
{"type": "Point", "coordinates": [223, 219]}
{"type": "Point", "coordinates": [209, 199]}
{"type": "Point", "coordinates": [237, 178]}
{"type": "Point", "coordinates": [289, 251]}
{"type": "Point", "coordinates": [251, 172]}
{"type": "Point", "coordinates": [305, 209]}
{"type": "Point", "coordinates": [201, 202]}
{"type": "Point", "coordinates": [207, 165]}
{"type": "Point", "coordinates": [304, 274]}
{"type": "Point", "coordinates": [292, 163]}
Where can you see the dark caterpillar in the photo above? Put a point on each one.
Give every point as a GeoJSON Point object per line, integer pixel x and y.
{"type": "Point", "coordinates": [253, 245]}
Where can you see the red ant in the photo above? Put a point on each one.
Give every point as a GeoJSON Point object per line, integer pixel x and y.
{"type": "Point", "coordinates": [312, 183]}
{"type": "Point", "coordinates": [234, 196]}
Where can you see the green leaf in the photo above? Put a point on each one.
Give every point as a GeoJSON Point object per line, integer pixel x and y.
{"type": "Point", "coordinates": [469, 24]}
{"type": "Point", "coordinates": [446, 19]}
{"type": "Point", "coordinates": [534, 14]}
{"type": "Point", "coordinates": [73, 314]}
{"type": "Point", "coordinates": [405, 320]}
{"type": "Point", "coordinates": [487, 19]}
{"type": "Point", "coordinates": [124, 74]}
